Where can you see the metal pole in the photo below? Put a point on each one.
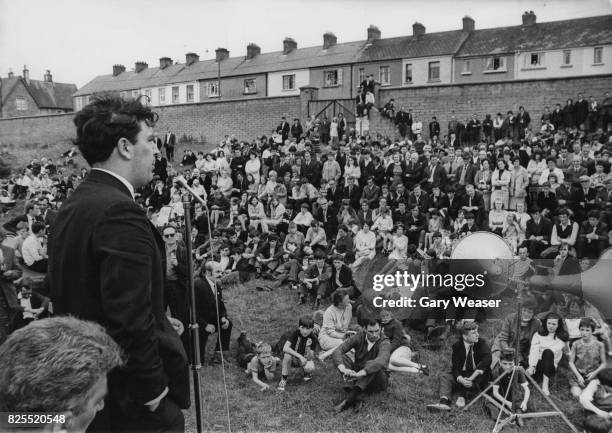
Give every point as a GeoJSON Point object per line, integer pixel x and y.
{"type": "Point", "coordinates": [194, 330]}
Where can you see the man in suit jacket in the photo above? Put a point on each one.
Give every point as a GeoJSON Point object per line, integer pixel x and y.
{"type": "Point", "coordinates": [470, 370]}
{"type": "Point", "coordinates": [169, 144]}
{"type": "Point", "coordinates": [209, 301]}
{"type": "Point", "coordinates": [581, 110]}
{"type": "Point", "coordinates": [434, 174]}
{"type": "Point", "coordinates": [537, 233]}
{"type": "Point", "coordinates": [284, 128]}
{"type": "Point", "coordinates": [465, 172]}
{"type": "Point", "coordinates": [352, 192]}
{"type": "Point", "coordinates": [369, 368]}
{"type": "Point", "coordinates": [592, 236]}
{"type": "Point", "coordinates": [107, 265]}
{"type": "Point", "coordinates": [327, 215]}
{"type": "Point", "coordinates": [473, 202]}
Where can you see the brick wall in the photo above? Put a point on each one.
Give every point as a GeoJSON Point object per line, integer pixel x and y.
{"type": "Point", "coordinates": [54, 129]}
{"type": "Point", "coordinates": [9, 108]}
{"type": "Point", "coordinates": [210, 122]}
{"type": "Point", "coordinates": [487, 98]}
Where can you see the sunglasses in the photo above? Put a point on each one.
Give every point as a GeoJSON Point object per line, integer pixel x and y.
{"type": "Point", "coordinates": [169, 235]}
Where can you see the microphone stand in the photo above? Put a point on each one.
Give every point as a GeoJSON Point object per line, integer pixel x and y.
{"type": "Point", "coordinates": [194, 330]}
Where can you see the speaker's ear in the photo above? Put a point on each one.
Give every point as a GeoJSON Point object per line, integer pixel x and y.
{"type": "Point", "coordinates": [593, 285]}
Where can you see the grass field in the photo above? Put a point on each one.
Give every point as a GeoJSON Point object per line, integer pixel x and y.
{"type": "Point", "coordinates": [307, 407]}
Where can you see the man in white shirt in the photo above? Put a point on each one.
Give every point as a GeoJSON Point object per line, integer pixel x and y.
{"type": "Point", "coordinates": [32, 251]}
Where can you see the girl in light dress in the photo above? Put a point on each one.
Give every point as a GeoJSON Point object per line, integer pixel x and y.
{"type": "Point", "coordinates": [497, 216]}
{"type": "Point", "coordinates": [383, 225]}
{"type": "Point", "coordinates": [399, 244]}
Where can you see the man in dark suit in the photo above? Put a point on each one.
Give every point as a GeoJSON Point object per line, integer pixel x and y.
{"type": "Point", "coordinates": [327, 215]}
{"type": "Point", "coordinates": [537, 233]}
{"type": "Point", "coordinates": [465, 172]}
{"type": "Point", "coordinates": [170, 144]}
{"type": "Point", "coordinates": [107, 265]}
{"type": "Point", "coordinates": [283, 129]}
{"type": "Point", "coordinates": [352, 192]}
{"type": "Point", "coordinates": [211, 312]}
{"type": "Point", "coordinates": [592, 236]}
{"type": "Point", "coordinates": [434, 174]}
{"type": "Point", "coordinates": [470, 370]}
{"type": "Point", "coordinates": [334, 192]}
{"type": "Point", "coordinates": [581, 110]}
{"type": "Point", "coordinates": [434, 128]}
{"type": "Point", "coordinates": [473, 202]}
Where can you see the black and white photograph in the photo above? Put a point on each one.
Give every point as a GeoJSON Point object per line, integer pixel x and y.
{"type": "Point", "coordinates": [306, 216]}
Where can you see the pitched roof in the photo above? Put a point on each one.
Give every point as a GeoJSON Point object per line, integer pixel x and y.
{"type": "Point", "coordinates": [301, 58]}
{"type": "Point", "coordinates": [45, 94]}
{"type": "Point", "coordinates": [573, 33]}
{"type": "Point", "coordinates": [427, 45]}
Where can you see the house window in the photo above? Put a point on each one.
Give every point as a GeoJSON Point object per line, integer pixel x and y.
{"type": "Point", "coordinates": [598, 55]}
{"type": "Point", "coordinates": [332, 78]}
{"type": "Point", "coordinates": [362, 75]}
{"type": "Point", "coordinates": [175, 95]}
{"type": "Point", "coordinates": [466, 67]}
{"type": "Point", "coordinates": [189, 92]}
{"type": "Point", "coordinates": [434, 71]}
{"type": "Point", "coordinates": [78, 103]}
{"type": "Point", "coordinates": [384, 76]}
{"type": "Point", "coordinates": [408, 73]}
{"type": "Point", "coordinates": [21, 104]}
{"type": "Point", "coordinates": [149, 96]}
{"type": "Point", "coordinates": [496, 63]}
{"type": "Point", "coordinates": [212, 89]}
{"type": "Point", "coordinates": [289, 82]}
{"type": "Point", "coordinates": [250, 86]}
{"type": "Point", "coordinates": [535, 60]}
{"type": "Point", "coordinates": [135, 94]}
{"type": "Point", "coordinates": [567, 57]}
{"type": "Point", "coordinates": [162, 95]}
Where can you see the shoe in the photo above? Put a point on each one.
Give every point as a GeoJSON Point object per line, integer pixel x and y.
{"type": "Point", "coordinates": [424, 369]}
{"type": "Point", "coordinates": [460, 402]}
{"type": "Point", "coordinates": [341, 407]}
{"type": "Point", "coordinates": [282, 384]}
{"type": "Point", "coordinates": [438, 407]}
{"type": "Point", "coordinates": [307, 377]}
{"type": "Point", "coordinates": [357, 406]}
{"type": "Point", "coordinates": [519, 421]}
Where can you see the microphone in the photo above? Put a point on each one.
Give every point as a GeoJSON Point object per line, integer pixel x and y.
{"type": "Point", "coordinates": [183, 182]}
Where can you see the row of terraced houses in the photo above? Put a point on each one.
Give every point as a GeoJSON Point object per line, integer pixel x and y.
{"type": "Point", "coordinates": [531, 51]}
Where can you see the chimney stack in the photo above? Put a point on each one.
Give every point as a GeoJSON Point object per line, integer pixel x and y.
{"type": "Point", "coordinates": [140, 66]}
{"type": "Point", "coordinates": [48, 77]}
{"type": "Point", "coordinates": [164, 62]}
{"type": "Point", "coordinates": [289, 45]}
{"type": "Point", "coordinates": [222, 54]}
{"type": "Point", "coordinates": [468, 24]}
{"type": "Point", "coordinates": [191, 58]}
{"type": "Point", "coordinates": [329, 40]}
{"type": "Point", "coordinates": [418, 29]}
{"type": "Point", "coordinates": [373, 33]}
{"type": "Point", "coordinates": [26, 73]}
{"type": "Point", "coordinates": [117, 69]}
{"type": "Point", "coordinates": [253, 50]}
{"type": "Point", "coordinates": [529, 18]}
{"type": "Point", "coordinates": [10, 73]}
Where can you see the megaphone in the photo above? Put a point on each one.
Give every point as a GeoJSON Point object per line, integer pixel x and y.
{"type": "Point", "coordinates": [593, 285]}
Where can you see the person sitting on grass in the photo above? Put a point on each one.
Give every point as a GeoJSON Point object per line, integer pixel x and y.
{"type": "Point", "coordinates": [368, 372]}
{"type": "Point", "coordinates": [258, 361]}
{"type": "Point", "coordinates": [315, 280]}
{"type": "Point", "coordinates": [298, 349]}
{"type": "Point", "coordinates": [587, 357]}
{"type": "Point", "coordinates": [471, 368]}
{"type": "Point", "coordinates": [547, 347]}
{"type": "Point", "coordinates": [517, 397]}
{"type": "Point", "coordinates": [401, 354]}
{"type": "Point", "coordinates": [597, 400]}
